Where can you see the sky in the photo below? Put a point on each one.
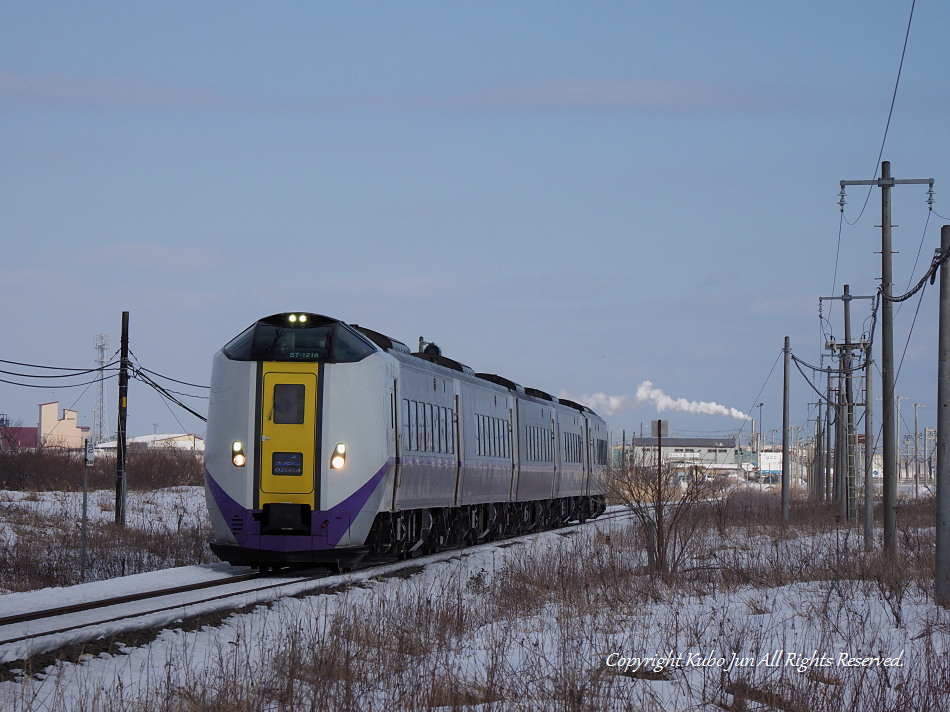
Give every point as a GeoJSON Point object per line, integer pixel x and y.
{"type": "Point", "coordinates": [591, 198]}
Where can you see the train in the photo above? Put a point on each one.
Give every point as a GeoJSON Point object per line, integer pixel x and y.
{"type": "Point", "coordinates": [329, 442]}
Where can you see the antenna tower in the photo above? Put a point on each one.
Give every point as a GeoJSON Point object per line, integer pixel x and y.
{"type": "Point", "coordinates": [102, 345]}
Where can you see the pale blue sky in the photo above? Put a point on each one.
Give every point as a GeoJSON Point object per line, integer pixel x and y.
{"type": "Point", "coordinates": [578, 195]}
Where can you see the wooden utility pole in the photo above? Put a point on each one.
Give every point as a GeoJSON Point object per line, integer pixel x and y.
{"type": "Point", "coordinates": [885, 183]}
{"type": "Point", "coordinates": [120, 440]}
{"type": "Point", "coordinates": [786, 451]}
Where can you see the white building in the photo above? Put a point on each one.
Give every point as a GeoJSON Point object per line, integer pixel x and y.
{"type": "Point", "coordinates": [183, 441]}
{"type": "Point", "coordinates": [710, 453]}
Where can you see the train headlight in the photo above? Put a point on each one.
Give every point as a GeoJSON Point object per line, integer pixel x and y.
{"type": "Point", "coordinates": [237, 454]}
{"type": "Point", "coordinates": [292, 318]}
{"type": "Point", "coordinates": [338, 458]}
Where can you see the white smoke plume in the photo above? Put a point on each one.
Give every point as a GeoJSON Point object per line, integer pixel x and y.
{"type": "Point", "coordinates": [646, 393]}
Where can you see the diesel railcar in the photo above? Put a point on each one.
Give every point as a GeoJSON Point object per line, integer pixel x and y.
{"type": "Point", "coordinates": [328, 441]}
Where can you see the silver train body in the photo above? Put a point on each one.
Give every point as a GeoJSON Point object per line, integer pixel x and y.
{"type": "Point", "coordinates": [327, 442]}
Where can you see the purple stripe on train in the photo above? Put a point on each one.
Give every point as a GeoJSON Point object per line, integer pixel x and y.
{"type": "Point", "coordinates": [327, 526]}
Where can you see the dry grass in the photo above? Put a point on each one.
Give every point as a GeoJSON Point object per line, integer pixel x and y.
{"type": "Point", "coordinates": [56, 469]}
{"type": "Point", "coordinates": [529, 629]}
{"type": "Point", "coordinates": [51, 536]}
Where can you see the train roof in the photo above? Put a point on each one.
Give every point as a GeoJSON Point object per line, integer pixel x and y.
{"type": "Point", "coordinates": [384, 342]}
{"type": "Point", "coordinates": [389, 344]}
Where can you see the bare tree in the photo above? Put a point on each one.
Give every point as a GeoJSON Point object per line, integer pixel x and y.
{"type": "Point", "coordinates": [664, 498]}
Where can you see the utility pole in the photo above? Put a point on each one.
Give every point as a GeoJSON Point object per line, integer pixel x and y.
{"type": "Point", "coordinates": [885, 183]}
{"type": "Point", "coordinates": [942, 568]}
{"type": "Point", "coordinates": [868, 451]}
{"type": "Point", "coordinates": [917, 451]}
{"type": "Point", "coordinates": [120, 440]}
{"type": "Point", "coordinates": [846, 481]}
{"type": "Point", "coordinates": [786, 451]}
{"type": "Point", "coordinates": [826, 479]}
{"type": "Point", "coordinates": [814, 480]}
{"type": "Point", "coordinates": [901, 461]}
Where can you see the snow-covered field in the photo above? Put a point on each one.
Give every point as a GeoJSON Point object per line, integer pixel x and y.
{"type": "Point", "coordinates": [762, 619]}
{"type": "Point", "coordinates": [40, 534]}
{"type": "Point", "coordinates": [168, 509]}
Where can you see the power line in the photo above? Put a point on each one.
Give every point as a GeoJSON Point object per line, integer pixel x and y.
{"type": "Point", "coordinates": [57, 385]}
{"type": "Point", "coordinates": [174, 380]}
{"type": "Point", "coordinates": [77, 371]}
{"type": "Point", "coordinates": [887, 125]}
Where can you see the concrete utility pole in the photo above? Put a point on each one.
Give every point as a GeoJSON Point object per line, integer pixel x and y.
{"type": "Point", "coordinates": [786, 458]}
{"type": "Point", "coordinates": [942, 569]}
{"type": "Point", "coordinates": [868, 451]}
{"type": "Point", "coordinates": [885, 183]}
{"type": "Point", "coordinates": [816, 485]}
{"type": "Point", "coordinates": [917, 451]}
{"type": "Point", "coordinates": [827, 481]}
{"type": "Point", "coordinates": [845, 454]}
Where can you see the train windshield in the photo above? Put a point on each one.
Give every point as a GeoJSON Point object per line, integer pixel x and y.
{"type": "Point", "coordinates": [314, 339]}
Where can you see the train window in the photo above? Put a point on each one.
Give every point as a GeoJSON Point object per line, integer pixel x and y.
{"type": "Point", "coordinates": [349, 347]}
{"type": "Point", "coordinates": [444, 428]}
{"type": "Point", "coordinates": [412, 425]}
{"type": "Point", "coordinates": [289, 403]}
{"type": "Point", "coordinates": [450, 425]}
{"type": "Point", "coordinates": [276, 343]}
{"type": "Point", "coordinates": [272, 339]}
{"type": "Point", "coordinates": [572, 447]}
{"type": "Point", "coordinates": [430, 443]}
{"type": "Point", "coordinates": [420, 426]}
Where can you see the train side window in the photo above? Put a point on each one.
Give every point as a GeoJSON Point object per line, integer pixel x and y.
{"type": "Point", "coordinates": [443, 443]}
{"type": "Point", "coordinates": [289, 403]}
{"type": "Point", "coordinates": [412, 425]}
{"type": "Point", "coordinates": [450, 422]}
{"type": "Point", "coordinates": [349, 347]}
{"type": "Point", "coordinates": [420, 426]}
{"type": "Point", "coordinates": [430, 441]}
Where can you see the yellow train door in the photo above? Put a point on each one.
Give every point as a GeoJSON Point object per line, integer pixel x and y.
{"type": "Point", "coordinates": [288, 436]}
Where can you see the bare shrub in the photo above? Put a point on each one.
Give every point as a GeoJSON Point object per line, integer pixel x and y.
{"type": "Point", "coordinates": [50, 469]}
{"type": "Point", "coordinates": [665, 503]}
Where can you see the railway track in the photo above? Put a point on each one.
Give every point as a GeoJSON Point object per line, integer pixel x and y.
{"type": "Point", "coordinates": [30, 633]}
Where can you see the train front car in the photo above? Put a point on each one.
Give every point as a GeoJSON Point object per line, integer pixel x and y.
{"type": "Point", "coordinates": [285, 483]}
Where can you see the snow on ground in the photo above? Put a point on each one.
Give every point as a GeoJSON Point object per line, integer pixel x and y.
{"type": "Point", "coordinates": [650, 647]}
{"type": "Point", "coordinates": [166, 509]}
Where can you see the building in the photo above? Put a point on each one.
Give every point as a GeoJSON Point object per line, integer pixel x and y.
{"type": "Point", "coordinates": [15, 437]}
{"type": "Point", "coordinates": [54, 431]}
{"type": "Point", "coordinates": [182, 441]}
{"type": "Point", "coordinates": [51, 431]}
{"type": "Point", "coordinates": [721, 454]}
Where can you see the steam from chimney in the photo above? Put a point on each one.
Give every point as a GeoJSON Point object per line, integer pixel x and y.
{"type": "Point", "coordinates": [646, 393]}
